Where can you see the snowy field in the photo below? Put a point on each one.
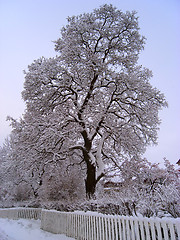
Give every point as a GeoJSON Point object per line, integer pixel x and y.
{"type": "Point", "coordinates": [24, 229]}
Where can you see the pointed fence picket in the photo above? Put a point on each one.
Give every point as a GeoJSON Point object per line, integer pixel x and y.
{"type": "Point", "coordinates": [95, 226]}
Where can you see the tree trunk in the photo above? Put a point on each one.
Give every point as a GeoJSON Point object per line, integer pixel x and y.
{"type": "Point", "coordinates": [90, 181]}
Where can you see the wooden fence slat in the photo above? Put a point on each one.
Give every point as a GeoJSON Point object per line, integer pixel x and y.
{"type": "Point", "coordinates": [124, 228]}
{"type": "Point", "coordinates": [116, 228]}
{"type": "Point", "coordinates": [127, 229]}
{"type": "Point", "coordinates": [165, 231]}
{"type": "Point", "coordinates": [172, 232]}
{"type": "Point", "coordinates": [132, 229]}
{"type": "Point", "coordinates": [120, 228]}
{"type": "Point", "coordinates": [136, 229]}
{"type": "Point", "coordinates": [152, 229]}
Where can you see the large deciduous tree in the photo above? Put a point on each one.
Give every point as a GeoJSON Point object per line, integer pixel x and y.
{"type": "Point", "coordinates": [92, 103]}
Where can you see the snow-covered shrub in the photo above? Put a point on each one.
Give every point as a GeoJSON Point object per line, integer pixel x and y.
{"type": "Point", "coordinates": [22, 192]}
{"type": "Point", "coordinates": [146, 189]}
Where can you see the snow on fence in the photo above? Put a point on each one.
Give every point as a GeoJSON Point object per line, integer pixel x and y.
{"type": "Point", "coordinates": [95, 226]}
{"type": "Point", "coordinates": [17, 213]}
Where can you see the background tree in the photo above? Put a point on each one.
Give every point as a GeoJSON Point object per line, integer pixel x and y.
{"type": "Point", "coordinates": [8, 173]}
{"type": "Point", "coordinates": [92, 104]}
{"type": "Point", "coordinates": [5, 172]}
{"type": "Point", "coordinates": [37, 170]}
{"type": "Point", "coordinates": [146, 188]}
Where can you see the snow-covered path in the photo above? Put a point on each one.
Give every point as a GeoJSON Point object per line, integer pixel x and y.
{"type": "Point", "coordinates": [24, 229]}
{"type": "Point", "coordinates": [3, 236]}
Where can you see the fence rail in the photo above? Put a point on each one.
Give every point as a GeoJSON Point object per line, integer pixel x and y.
{"type": "Point", "coordinates": [95, 226]}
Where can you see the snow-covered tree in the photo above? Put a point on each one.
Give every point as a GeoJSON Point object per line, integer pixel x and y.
{"type": "Point", "coordinates": [146, 188]}
{"type": "Point", "coordinates": [39, 169]}
{"type": "Point", "coordinates": [92, 104]}
{"type": "Point", "coordinates": [7, 172]}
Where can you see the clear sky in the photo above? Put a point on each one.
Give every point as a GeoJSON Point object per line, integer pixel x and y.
{"type": "Point", "coordinates": [28, 29]}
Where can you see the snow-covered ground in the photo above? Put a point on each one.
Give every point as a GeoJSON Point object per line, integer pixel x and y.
{"type": "Point", "coordinates": [24, 229]}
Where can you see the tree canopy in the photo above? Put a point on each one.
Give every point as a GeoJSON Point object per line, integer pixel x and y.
{"type": "Point", "coordinates": [92, 104]}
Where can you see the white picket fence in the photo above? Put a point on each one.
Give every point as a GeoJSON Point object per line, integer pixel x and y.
{"type": "Point", "coordinates": [95, 226]}
{"type": "Point", "coordinates": [17, 213]}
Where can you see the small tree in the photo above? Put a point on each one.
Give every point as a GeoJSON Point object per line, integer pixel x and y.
{"type": "Point", "coordinates": [92, 104]}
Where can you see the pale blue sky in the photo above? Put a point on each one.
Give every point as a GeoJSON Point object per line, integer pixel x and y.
{"type": "Point", "coordinates": [27, 29]}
